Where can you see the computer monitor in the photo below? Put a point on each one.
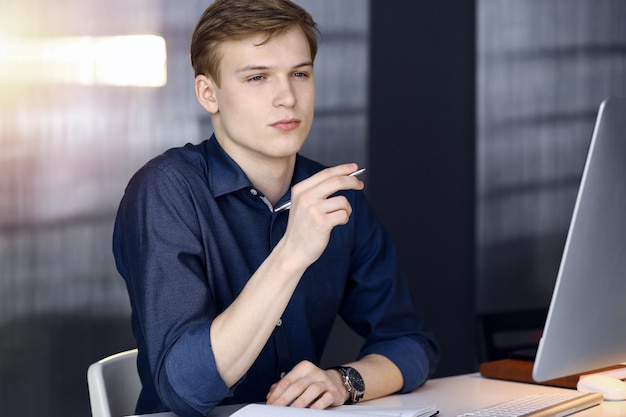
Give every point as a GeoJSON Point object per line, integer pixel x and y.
{"type": "Point", "coordinates": [585, 328]}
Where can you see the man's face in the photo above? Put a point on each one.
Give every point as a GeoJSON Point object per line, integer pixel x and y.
{"type": "Point", "coordinates": [266, 99]}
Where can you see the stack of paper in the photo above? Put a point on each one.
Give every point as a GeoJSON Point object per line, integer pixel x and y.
{"type": "Point", "coordinates": [262, 410]}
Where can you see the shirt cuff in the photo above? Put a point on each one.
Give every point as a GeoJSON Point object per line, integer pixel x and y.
{"type": "Point", "coordinates": [409, 356]}
{"type": "Point", "coordinates": [192, 372]}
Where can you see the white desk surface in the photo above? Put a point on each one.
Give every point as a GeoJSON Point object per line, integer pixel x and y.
{"type": "Point", "coordinates": [456, 394]}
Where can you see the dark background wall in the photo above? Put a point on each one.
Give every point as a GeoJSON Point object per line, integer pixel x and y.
{"type": "Point", "coordinates": [421, 148]}
{"type": "Point", "coordinates": [481, 114]}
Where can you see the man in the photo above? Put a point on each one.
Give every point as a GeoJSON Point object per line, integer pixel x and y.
{"type": "Point", "coordinates": [233, 301]}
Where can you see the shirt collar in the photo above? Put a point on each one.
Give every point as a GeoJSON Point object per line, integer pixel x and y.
{"type": "Point", "coordinates": [225, 176]}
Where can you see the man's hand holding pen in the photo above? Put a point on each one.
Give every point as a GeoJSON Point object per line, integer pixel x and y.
{"type": "Point", "coordinates": [314, 213]}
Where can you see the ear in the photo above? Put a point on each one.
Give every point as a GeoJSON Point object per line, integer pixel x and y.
{"type": "Point", "coordinates": [205, 92]}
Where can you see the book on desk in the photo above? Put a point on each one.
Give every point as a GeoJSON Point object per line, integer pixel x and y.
{"type": "Point", "coordinates": [262, 410]}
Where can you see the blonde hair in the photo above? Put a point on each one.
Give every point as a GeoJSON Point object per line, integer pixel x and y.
{"type": "Point", "coordinates": [227, 20]}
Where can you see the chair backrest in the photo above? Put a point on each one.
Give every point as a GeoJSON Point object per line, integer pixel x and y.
{"type": "Point", "coordinates": [114, 385]}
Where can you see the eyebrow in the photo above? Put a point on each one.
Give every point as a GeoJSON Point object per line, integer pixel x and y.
{"type": "Point", "coordinates": [265, 68]}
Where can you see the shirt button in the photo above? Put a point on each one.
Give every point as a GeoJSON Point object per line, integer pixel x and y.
{"type": "Point", "coordinates": [279, 323]}
{"type": "Point", "coordinates": [282, 375]}
{"type": "Point", "coordinates": [253, 191]}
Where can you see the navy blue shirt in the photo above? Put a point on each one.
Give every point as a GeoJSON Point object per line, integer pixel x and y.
{"type": "Point", "coordinates": [190, 231]}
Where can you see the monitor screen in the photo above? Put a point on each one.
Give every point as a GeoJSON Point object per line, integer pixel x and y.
{"type": "Point", "coordinates": [586, 324]}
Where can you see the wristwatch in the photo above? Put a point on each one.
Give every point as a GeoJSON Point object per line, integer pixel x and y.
{"type": "Point", "coordinates": [353, 381]}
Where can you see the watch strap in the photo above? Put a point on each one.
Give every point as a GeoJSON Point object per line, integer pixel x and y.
{"type": "Point", "coordinates": [353, 382]}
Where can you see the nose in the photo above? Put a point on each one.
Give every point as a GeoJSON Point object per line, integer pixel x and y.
{"type": "Point", "coordinates": [285, 95]}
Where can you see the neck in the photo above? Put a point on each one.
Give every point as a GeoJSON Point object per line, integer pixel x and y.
{"type": "Point", "coordinates": [270, 175]}
{"type": "Point", "coordinates": [272, 179]}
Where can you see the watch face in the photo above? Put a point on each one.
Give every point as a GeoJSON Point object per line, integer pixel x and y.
{"type": "Point", "coordinates": [355, 380]}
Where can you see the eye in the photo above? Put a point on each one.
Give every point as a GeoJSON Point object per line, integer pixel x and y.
{"type": "Point", "coordinates": [255, 78]}
{"type": "Point", "coordinates": [300, 75]}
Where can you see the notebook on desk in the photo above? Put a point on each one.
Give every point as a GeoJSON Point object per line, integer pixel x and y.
{"type": "Point", "coordinates": [539, 405]}
{"type": "Point", "coordinates": [262, 410]}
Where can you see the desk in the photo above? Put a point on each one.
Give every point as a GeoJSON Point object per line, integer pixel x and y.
{"type": "Point", "coordinates": [456, 394]}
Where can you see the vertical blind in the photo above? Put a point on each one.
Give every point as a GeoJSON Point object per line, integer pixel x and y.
{"type": "Point", "coordinates": [68, 149]}
{"type": "Point", "coordinates": [543, 69]}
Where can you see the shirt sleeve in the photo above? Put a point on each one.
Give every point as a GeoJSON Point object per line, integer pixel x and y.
{"type": "Point", "coordinates": [160, 254]}
{"type": "Point", "coordinates": [378, 305]}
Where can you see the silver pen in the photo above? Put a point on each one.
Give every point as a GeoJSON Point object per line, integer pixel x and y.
{"type": "Point", "coordinates": [287, 205]}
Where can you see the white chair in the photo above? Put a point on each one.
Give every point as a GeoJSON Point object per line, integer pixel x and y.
{"type": "Point", "coordinates": [114, 385]}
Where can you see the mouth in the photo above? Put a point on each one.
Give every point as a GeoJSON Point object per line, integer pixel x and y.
{"type": "Point", "coordinates": [286, 124]}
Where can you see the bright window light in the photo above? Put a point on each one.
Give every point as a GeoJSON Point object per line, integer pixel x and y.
{"type": "Point", "coordinates": [135, 60]}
